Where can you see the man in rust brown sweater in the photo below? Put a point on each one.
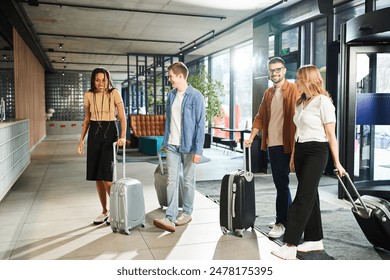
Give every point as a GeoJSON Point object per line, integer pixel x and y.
{"type": "Point", "coordinates": [275, 121]}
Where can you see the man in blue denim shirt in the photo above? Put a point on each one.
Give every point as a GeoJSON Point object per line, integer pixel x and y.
{"type": "Point", "coordinates": [183, 142]}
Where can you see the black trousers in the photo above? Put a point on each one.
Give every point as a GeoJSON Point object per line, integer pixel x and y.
{"type": "Point", "coordinates": [304, 216]}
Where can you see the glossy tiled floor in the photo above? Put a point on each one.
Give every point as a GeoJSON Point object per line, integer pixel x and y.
{"type": "Point", "coordinates": [49, 211]}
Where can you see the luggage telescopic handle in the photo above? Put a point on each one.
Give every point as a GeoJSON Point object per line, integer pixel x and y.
{"type": "Point", "coordinates": [355, 208]}
{"type": "Point", "coordinates": [115, 151]}
{"type": "Point", "coordinates": [160, 161]}
{"type": "Point", "coordinates": [248, 169]}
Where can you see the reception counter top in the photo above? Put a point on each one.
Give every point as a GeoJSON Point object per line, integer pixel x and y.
{"type": "Point", "coordinates": [14, 152]}
{"type": "Point", "coordinates": [10, 122]}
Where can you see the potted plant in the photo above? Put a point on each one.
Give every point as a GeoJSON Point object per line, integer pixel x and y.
{"type": "Point", "coordinates": [212, 91]}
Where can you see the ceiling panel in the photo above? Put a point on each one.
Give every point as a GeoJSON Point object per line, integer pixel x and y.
{"type": "Point", "coordinates": [96, 33]}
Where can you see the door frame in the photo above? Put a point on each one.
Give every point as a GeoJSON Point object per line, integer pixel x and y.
{"type": "Point", "coordinates": [347, 110]}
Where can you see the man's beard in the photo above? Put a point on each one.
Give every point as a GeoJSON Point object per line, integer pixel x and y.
{"type": "Point", "coordinates": [276, 79]}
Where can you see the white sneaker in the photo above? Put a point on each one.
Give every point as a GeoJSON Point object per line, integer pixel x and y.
{"type": "Point", "coordinates": [277, 231]}
{"type": "Point", "coordinates": [165, 224]}
{"type": "Point", "coordinates": [183, 219]}
{"type": "Point", "coordinates": [311, 246]}
{"type": "Point", "coordinates": [286, 252]}
{"type": "Point", "coordinates": [101, 219]}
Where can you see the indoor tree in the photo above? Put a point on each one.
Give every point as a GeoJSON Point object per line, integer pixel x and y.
{"type": "Point", "coordinates": [212, 91]}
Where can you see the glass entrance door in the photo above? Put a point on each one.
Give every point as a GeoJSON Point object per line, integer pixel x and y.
{"type": "Point", "coordinates": [368, 121]}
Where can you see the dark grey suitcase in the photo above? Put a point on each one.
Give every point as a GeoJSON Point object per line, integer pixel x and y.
{"type": "Point", "coordinates": [372, 214]}
{"type": "Point", "coordinates": [127, 204]}
{"type": "Point", "coordinates": [237, 209]}
{"type": "Point", "coordinates": [161, 183]}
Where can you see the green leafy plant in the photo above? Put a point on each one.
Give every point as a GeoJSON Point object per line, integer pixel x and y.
{"type": "Point", "coordinates": [156, 85]}
{"type": "Point", "coordinates": [212, 91]}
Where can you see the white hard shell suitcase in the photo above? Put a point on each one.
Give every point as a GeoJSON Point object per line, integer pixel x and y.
{"type": "Point", "coordinates": [127, 204]}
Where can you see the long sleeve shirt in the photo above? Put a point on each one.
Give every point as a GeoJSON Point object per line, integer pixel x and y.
{"type": "Point", "coordinates": [261, 121]}
{"type": "Point", "coordinates": [192, 123]}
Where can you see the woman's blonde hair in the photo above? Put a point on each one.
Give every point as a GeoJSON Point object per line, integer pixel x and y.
{"type": "Point", "coordinates": [311, 77]}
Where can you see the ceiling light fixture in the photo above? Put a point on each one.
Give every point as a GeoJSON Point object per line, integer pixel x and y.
{"type": "Point", "coordinates": [63, 58]}
{"type": "Point", "coordinates": [61, 45]}
{"type": "Point", "coordinates": [192, 45]}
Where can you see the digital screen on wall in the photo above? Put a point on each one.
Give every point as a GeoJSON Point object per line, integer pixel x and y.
{"type": "Point", "coordinates": [373, 109]}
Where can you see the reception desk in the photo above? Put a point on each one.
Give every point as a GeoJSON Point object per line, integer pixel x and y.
{"type": "Point", "coordinates": [14, 152]}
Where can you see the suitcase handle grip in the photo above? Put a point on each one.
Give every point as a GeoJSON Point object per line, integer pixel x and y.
{"type": "Point", "coordinates": [115, 151]}
{"type": "Point", "coordinates": [233, 211]}
{"type": "Point", "coordinates": [355, 208]}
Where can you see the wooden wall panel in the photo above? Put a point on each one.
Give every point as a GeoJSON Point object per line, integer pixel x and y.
{"type": "Point", "coordinates": [29, 89]}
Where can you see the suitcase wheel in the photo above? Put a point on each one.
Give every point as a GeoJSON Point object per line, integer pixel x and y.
{"type": "Point", "coordinates": [224, 230]}
{"type": "Point", "coordinates": [114, 229]}
{"type": "Point", "coordinates": [239, 232]}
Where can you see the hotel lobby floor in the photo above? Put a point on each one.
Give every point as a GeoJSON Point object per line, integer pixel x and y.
{"type": "Point", "coordinates": [48, 215]}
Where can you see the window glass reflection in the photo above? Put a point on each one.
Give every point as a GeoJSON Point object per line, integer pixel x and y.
{"type": "Point", "coordinates": [242, 62]}
{"type": "Point", "coordinates": [220, 70]}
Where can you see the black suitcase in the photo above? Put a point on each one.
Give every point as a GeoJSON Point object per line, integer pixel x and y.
{"type": "Point", "coordinates": [372, 214]}
{"type": "Point", "coordinates": [237, 210]}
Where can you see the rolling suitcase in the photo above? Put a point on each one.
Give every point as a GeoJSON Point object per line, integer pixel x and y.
{"type": "Point", "coordinates": [237, 210]}
{"type": "Point", "coordinates": [127, 204]}
{"type": "Point", "coordinates": [372, 214]}
{"type": "Point", "coordinates": [161, 183]}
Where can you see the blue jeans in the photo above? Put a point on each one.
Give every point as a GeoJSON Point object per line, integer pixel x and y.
{"type": "Point", "coordinates": [280, 167]}
{"type": "Point", "coordinates": [175, 161]}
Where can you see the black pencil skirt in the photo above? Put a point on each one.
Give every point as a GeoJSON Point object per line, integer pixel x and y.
{"type": "Point", "coordinates": [101, 136]}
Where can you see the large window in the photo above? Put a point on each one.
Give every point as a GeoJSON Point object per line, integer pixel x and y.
{"type": "Point", "coordinates": [290, 42]}
{"type": "Point", "coordinates": [289, 46]}
{"type": "Point", "coordinates": [320, 40]}
{"type": "Point", "coordinates": [233, 68]}
{"type": "Point", "coordinates": [242, 73]}
{"type": "Point", "coordinates": [381, 4]}
{"type": "Point", "coordinates": [271, 46]}
{"type": "Point", "coordinates": [220, 70]}
{"type": "Point", "coordinates": [320, 47]}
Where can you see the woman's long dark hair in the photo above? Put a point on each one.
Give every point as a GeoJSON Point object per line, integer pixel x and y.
{"type": "Point", "coordinates": [106, 75]}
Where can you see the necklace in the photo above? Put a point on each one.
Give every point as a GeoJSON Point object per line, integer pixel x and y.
{"type": "Point", "coordinates": [99, 114]}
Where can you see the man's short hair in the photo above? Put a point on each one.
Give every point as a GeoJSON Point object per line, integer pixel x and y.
{"type": "Point", "coordinates": [276, 59]}
{"type": "Point", "coordinates": [179, 68]}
